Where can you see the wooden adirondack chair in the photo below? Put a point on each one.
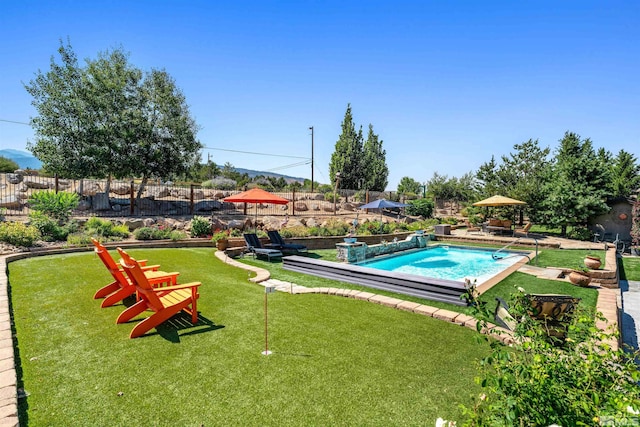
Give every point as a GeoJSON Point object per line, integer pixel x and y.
{"type": "Point", "coordinates": [164, 302]}
{"type": "Point", "coordinates": [122, 287]}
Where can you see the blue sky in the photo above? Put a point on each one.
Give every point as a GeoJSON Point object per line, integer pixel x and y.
{"type": "Point", "coordinates": [446, 85]}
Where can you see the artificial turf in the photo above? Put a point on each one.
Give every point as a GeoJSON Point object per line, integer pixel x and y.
{"type": "Point", "coordinates": [335, 361]}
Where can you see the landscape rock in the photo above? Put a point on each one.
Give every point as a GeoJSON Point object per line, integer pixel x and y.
{"type": "Point", "coordinates": [120, 189]}
{"type": "Point", "coordinates": [301, 207]}
{"type": "Point", "coordinates": [91, 188]}
{"type": "Point", "coordinates": [236, 223]}
{"type": "Point", "coordinates": [84, 205]}
{"type": "Point", "coordinates": [10, 202]}
{"type": "Point", "coordinates": [101, 202]}
{"type": "Point", "coordinates": [207, 206]}
{"type": "Point", "coordinates": [134, 224]}
{"type": "Point", "coordinates": [37, 184]}
{"type": "Point", "coordinates": [14, 178]}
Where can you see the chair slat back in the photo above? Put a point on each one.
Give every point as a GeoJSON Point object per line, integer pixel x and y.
{"type": "Point", "coordinates": [138, 278]}
{"type": "Point", "coordinates": [275, 237]}
{"type": "Point", "coordinates": [110, 263]}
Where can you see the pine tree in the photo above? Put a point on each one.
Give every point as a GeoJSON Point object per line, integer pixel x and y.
{"type": "Point", "coordinates": [347, 159]}
{"type": "Point", "coordinates": [576, 184]}
{"type": "Point", "coordinates": [375, 168]}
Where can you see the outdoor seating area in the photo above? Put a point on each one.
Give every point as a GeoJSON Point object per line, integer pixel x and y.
{"type": "Point", "coordinates": [497, 226]}
{"type": "Point", "coordinates": [255, 247]}
{"type": "Point", "coordinates": [122, 287]}
{"type": "Point", "coordinates": [277, 242]}
{"type": "Point", "coordinates": [154, 290]}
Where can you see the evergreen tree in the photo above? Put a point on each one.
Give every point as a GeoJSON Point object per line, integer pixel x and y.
{"type": "Point", "coordinates": [375, 168]}
{"type": "Point", "coordinates": [347, 158]}
{"type": "Point", "coordinates": [576, 185]}
{"type": "Point", "coordinates": [625, 175]}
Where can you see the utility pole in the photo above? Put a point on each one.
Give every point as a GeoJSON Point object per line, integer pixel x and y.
{"type": "Point", "coordinates": [311, 127]}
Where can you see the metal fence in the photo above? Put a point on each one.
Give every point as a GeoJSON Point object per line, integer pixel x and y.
{"type": "Point", "coordinates": [170, 200]}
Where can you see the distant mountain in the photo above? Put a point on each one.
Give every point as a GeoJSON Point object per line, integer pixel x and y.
{"type": "Point", "coordinates": [24, 159]}
{"type": "Point", "coordinates": [254, 173]}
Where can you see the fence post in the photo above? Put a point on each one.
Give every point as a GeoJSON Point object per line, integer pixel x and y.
{"type": "Point", "coordinates": [293, 202]}
{"type": "Point", "coordinates": [191, 201]}
{"type": "Point", "coordinates": [131, 198]}
{"type": "Point", "coordinates": [56, 183]}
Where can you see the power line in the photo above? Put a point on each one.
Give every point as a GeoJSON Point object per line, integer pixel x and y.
{"type": "Point", "coordinates": [13, 121]}
{"type": "Point", "coordinates": [293, 165]}
{"type": "Point", "coordinates": [259, 154]}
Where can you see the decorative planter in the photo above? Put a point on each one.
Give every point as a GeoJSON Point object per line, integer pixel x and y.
{"type": "Point", "coordinates": [350, 239]}
{"type": "Point", "coordinates": [579, 278]}
{"type": "Point", "coordinates": [419, 232]}
{"type": "Point", "coordinates": [591, 262]}
{"type": "Point", "coordinates": [222, 244]}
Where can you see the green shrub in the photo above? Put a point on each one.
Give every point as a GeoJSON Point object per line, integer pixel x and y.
{"type": "Point", "coordinates": [539, 382]}
{"type": "Point", "coordinates": [420, 207]}
{"type": "Point", "coordinates": [176, 235]}
{"type": "Point", "coordinates": [324, 188]}
{"type": "Point", "coordinates": [49, 228]}
{"type": "Point", "coordinates": [97, 227]}
{"type": "Point", "coordinates": [580, 233]}
{"type": "Point", "coordinates": [329, 196]}
{"type": "Point", "coordinates": [78, 239]}
{"type": "Point", "coordinates": [450, 220]}
{"type": "Point", "coordinates": [7, 165]}
{"type": "Point", "coordinates": [200, 227]}
{"type": "Point", "coordinates": [151, 233]}
{"type": "Point", "coordinates": [297, 231]}
{"type": "Point", "coordinates": [58, 206]}
{"type": "Point", "coordinates": [18, 234]}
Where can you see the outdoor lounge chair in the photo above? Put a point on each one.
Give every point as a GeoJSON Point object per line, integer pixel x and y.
{"type": "Point", "coordinates": [255, 247]}
{"type": "Point", "coordinates": [472, 228]}
{"type": "Point", "coordinates": [277, 242]}
{"type": "Point", "coordinates": [122, 287]}
{"type": "Point", "coordinates": [554, 310]}
{"type": "Point", "coordinates": [522, 231]}
{"type": "Point", "coordinates": [164, 302]}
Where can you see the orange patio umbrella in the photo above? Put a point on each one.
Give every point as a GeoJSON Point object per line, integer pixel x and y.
{"type": "Point", "coordinates": [256, 195]}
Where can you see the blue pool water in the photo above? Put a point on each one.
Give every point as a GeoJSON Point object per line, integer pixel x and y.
{"type": "Point", "coordinates": [447, 262]}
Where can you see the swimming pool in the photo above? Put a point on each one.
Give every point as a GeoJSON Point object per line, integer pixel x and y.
{"type": "Point", "coordinates": [448, 262]}
{"type": "Point", "coordinates": [449, 287]}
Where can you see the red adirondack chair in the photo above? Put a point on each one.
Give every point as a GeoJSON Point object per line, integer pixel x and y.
{"type": "Point", "coordinates": [122, 287]}
{"type": "Point", "coordinates": [164, 302]}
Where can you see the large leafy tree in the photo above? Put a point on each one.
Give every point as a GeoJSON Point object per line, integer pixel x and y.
{"type": "Point", "coordinates": [625, 175]}
{"type": "Point", "coordinates": [575, 185]}
{"type": "Point", "coordinates": [347, 158]}
{"type": "Point", "coordinates": [374, 164]}
{"type": "Point", "coordinates": [64, 127]}
{"type": "Point", "coordinates": [108, 118]}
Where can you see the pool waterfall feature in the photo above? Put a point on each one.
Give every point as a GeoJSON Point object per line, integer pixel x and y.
{"type": "Point", "coordinates": [437, 289]}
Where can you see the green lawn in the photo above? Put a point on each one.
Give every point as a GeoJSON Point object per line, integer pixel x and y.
{"type": "Point", "coordinates": [336, 361]}
{"type": "Point", "coordinates": [630, 268]}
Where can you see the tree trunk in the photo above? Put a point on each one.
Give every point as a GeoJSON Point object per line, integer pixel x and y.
{"type": "Point", "coordinates": [563, 230]}
{"type": "Point", "coordinates": [141, 188]}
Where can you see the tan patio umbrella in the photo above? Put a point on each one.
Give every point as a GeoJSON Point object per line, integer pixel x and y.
{"type": "Point", "coordinates": [499, 201]}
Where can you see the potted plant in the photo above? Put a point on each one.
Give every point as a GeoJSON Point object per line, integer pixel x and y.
{"type": "Point", "coordinates": [635, 228]}
{"type": "Point", "coordinates": [221, 239]}
{"type": "Point", "coordinates": [592, 261]}
{"type": "Point", "coordinates": [580, 276]}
